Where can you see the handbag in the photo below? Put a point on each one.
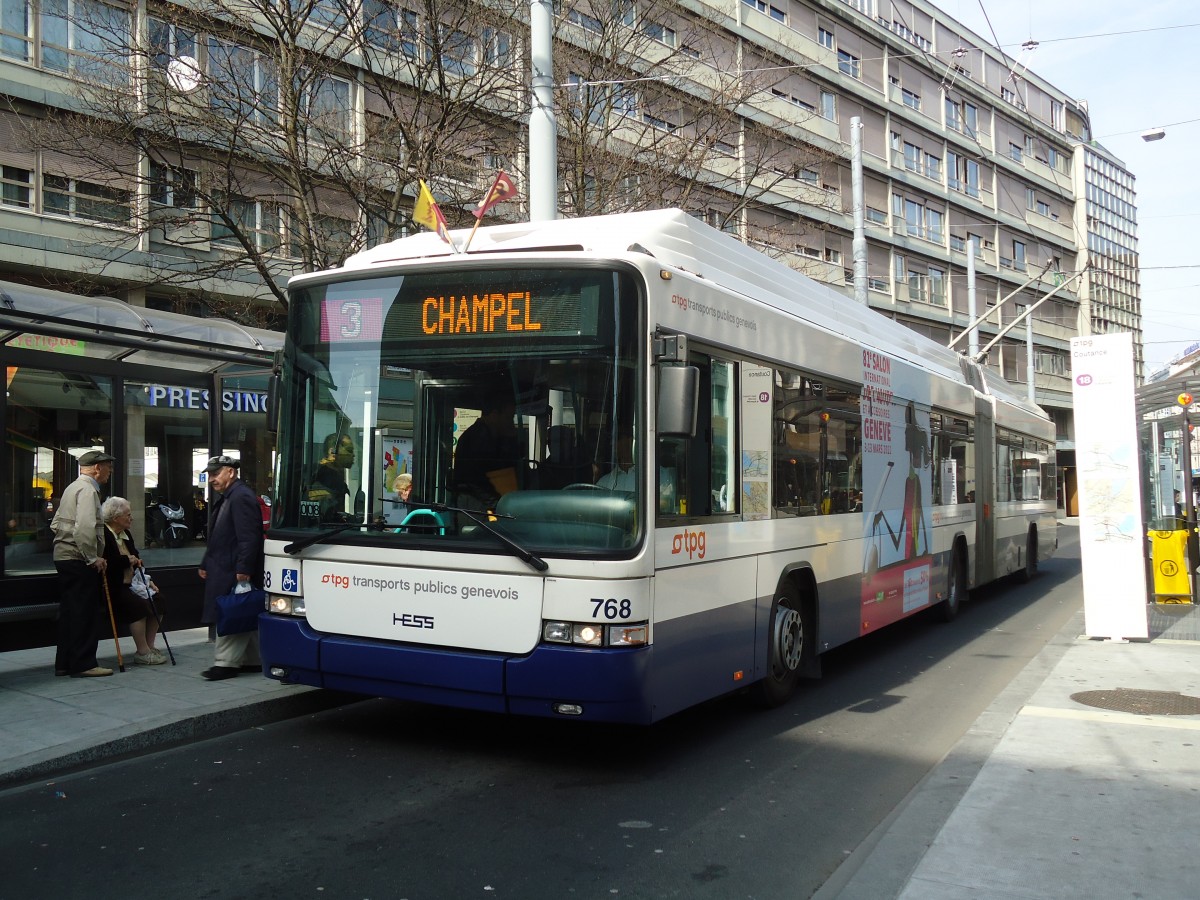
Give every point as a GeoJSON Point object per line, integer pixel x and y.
{"type": "Point", "coordinates": [141, 585]}
{"type": "Point", "coordinates": [238, 613]}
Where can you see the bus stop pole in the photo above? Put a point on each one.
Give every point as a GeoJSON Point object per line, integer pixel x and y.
{"type": "Point", "coordinates": [1193, 545]}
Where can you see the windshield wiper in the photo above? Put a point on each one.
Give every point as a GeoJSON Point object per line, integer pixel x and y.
{"type": "Point", "coordinates": [518, 551]}
{"type": "Point", "coordinates": [296, 546]}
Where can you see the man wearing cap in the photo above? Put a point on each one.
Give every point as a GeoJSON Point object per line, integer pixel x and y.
{"type": "Point", "coordinates": [233, 555]}
{"type": "Point", "coordinates": [79, 560]}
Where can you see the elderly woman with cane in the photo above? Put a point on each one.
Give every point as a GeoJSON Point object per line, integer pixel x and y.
{"type": "Point", "coordinates": [121, 555]}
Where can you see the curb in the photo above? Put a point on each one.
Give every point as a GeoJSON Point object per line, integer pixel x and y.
{"type": "Point", "coordinates": [167, 731]}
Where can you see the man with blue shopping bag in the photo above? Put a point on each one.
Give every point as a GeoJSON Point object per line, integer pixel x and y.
{"type": "Point", "coordinates": [231, 567]}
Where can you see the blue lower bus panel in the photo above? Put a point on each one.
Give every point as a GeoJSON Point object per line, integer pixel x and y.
{"type": "Point", "coordinates": [602, 685]}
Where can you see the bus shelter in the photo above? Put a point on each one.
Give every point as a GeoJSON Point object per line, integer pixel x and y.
{"type": "Point", "coordinates": [158, 390]}
{"type": "Point", "coordinates": [1167, 413]}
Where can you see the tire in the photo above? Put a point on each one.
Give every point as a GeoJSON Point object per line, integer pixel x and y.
{"type": "Point", "coordinates": [1031, 556]}
{"type": "Point", "coordinates": [956, 587]}
{"type": "Point", "coordinates": [175, 537]}
{"type": "Point", "coordinates": [789, 647]}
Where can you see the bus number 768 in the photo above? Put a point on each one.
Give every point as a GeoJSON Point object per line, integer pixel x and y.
{"type": "Point", "coordinates": [613, 609]}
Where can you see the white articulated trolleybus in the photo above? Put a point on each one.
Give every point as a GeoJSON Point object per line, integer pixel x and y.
{"type": "Point", "coordinates": [789, 471]}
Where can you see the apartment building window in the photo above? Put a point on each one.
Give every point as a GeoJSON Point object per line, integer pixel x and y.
{"type": "Point", "coordinates": [659, 32]}
{"type": "Point", "coordinates": [497, 47]}
{"type": "Point", "coordinates": [257, 220]}
{"type": "Point", "coordinates": [829, 106]}
{"type": "Point", "coordinates": [168, 41]}
{"type": "Point", "coordinates": [390, 28]}
{"type": "Point", "coordinates": [244, 83]}
{"type": "Point", "coordinates": [876, 216]}
{"type": "Point", "coordinates": [793, 99]}
{"type": "Point", "coordinates": [172, 187]}
{"type": "Point", "coordinates": [659, 123]}
{"type": "Point", "coordinates": [86, 39]}
{"type": "Point", "coordinates": [457, 52]}
{"type": "Point", "coordinates": [588, 99]}
{"type": "Point", "coordinates": [1018, 254]}
{"type": "Point", "coordinates": [919, 220]}
{"type": "Point", "coordinates": [849, 64]}
{"type": "Point", "coordinates": [66, 196]}
{"type": "Point", "coordinates": [16, 187]}
{"type": "Point", "coordinates": [912, 157]}
{"type": "Point", "coordinates": [962, 174]}
{"type": "Point", "coordinates": [326, 103]}
{"type": "Point", "coordinates": [825, 38]}
{"type": "Point", "coordinates": [767, 9]}
{"type": "Point", "coordinates": [1043, 208]}
{"type": "Point", "coordinates": [1030, 197]}
{"type": "Point", "coordinates": [1056, 115]}
{"type": "Point", "coordinates": [911, 99]}
{"type": "Point", "coordinates": [329, 13]}
{"type": "Point", "coordinates": [933, 167]}
{"type": "Point", "coordinates": [961, 116]}
{"type": "Point", "coordinates": [1015, 153]}
{"type": "Point", "coordinates": [625, 102]}
{"type": "Point", "coordinates": [937, 286]}
{"type": "Point", "coordinates": [16, 30]}
{"type": "Point", "coordinates": [584, 21]}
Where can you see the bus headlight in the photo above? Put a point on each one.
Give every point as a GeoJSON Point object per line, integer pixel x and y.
{"type": "Point", "coordinates": [592, 634]}
{"type": "Point", "coordinates": [285, 606]}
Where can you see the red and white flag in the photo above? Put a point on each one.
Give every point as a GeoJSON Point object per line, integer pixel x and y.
{"type": "Point", "coordinates": [502, 189]}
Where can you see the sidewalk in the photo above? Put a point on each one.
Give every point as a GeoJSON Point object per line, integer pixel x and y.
{"type": "Point", "coordinates": [50, 724]}
{"type": "Point", "coordinates": [1082, 780]}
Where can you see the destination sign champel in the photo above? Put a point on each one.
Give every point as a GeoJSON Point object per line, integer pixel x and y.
{"type": "Point", "coordinates": [479, 314]}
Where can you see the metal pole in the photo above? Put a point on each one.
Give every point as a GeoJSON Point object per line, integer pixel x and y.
{"type": "Point", "coordinates": [1030, 369]}
{"type": "Point", "coordinates": [543, 131]}
{"type": "Point", "coordinates": [1193, 546]}
{"type": "Point", "coordinates": [859, 245]}
{"type": "Point", "coordinates": [972, 301]}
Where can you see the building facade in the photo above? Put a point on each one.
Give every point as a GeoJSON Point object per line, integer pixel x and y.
{"type": "Point", "coordinates": [738, 111]}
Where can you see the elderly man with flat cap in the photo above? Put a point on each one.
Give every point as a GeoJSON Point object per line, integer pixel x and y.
{"type": "Point", "coordinates": [79, 560]}
{"type": "Point", "coordinates": [233, 556]}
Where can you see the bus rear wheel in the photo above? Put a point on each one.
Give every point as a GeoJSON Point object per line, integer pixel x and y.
{"type": "Point", "coordinates": [956, 587]}
{"type": "Point", "coordinates": [1031, 556]}
{"type": "Point", "coordinates": [789, 645]}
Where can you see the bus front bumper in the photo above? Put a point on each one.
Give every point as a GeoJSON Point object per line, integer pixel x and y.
{"type": "Point", "coordinates": [594, 684]}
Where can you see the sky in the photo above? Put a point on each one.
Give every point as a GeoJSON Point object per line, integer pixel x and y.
{"type": "Point", "coordinates": [1138, 68]}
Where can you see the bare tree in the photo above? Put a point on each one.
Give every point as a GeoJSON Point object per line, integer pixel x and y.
{"type": "Point", "coordinates": [653, 109]}
{"type": "Point", "coordinates": [230, 130]}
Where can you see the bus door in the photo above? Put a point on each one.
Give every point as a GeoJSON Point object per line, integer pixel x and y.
{"type": "Point", "coordinates": [985, 492]}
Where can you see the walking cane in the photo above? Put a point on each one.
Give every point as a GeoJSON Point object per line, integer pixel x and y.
{"type": "Point", "coordinates": [154, 606]}
{"type": "Point", "coordinates": [113, 620]}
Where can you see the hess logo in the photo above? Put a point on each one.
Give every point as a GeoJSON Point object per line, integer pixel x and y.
{"type": "Point", "coordinates": [338, 581]}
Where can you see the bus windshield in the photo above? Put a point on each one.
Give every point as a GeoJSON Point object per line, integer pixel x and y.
{"type": "Point", "coordinates": [416, 404]}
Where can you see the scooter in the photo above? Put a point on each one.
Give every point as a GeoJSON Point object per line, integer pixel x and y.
{"type": "Point", "coordinates": [165, 524]}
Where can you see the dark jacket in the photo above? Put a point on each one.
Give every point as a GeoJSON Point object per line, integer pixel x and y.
{"type": "Point", "coordinates": [235, 544]}
{"type": "Point", "coordinates": [118, 562]}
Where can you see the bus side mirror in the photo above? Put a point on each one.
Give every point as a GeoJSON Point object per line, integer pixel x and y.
{"type": "Point", "coordinates": [678, 400]}
{"type": "Point", "coordinates": [273, 404]}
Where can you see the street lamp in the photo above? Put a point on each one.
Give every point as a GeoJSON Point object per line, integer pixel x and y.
{"type": "Point", "coordinates": [1154, 134]}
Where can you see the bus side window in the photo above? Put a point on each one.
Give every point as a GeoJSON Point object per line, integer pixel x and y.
{"type": "Point", "coordinates": [700, 477]}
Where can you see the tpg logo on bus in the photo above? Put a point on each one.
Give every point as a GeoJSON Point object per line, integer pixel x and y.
{"type": "Point", "coordinates": [689, 542]}
{"type": "Point", "coordinates": [339, 581]}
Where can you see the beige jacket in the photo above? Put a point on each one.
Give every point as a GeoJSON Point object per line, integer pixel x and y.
{"type": "Point", "coordinates": [78, 530]}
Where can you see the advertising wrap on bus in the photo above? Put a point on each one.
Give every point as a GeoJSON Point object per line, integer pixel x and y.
{"type": "Point", "coordinates": [897, 476]}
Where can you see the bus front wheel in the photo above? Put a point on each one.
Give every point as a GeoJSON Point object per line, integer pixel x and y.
{"type": "Point", "coordinates": [789, 645]}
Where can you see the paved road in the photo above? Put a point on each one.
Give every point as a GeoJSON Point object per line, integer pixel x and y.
{"type": "Point", "coordinates": [382, 799]}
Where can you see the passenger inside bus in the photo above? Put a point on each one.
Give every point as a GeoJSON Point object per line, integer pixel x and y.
{"type": "Point", "coordinates": [486, 457]}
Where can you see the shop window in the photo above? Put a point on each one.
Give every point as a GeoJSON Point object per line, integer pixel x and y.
{"type": "Point", "coordinates": [167, 435]}
{"type": "Point", "coordinates": [244, 433]}
{"type": "Point", "coordinates": [53, 417]}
